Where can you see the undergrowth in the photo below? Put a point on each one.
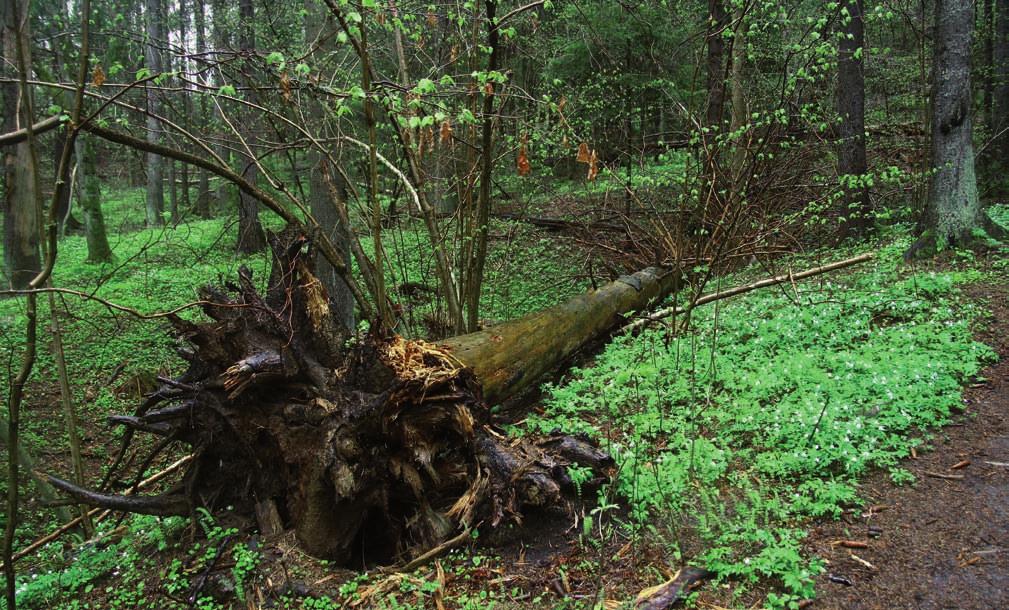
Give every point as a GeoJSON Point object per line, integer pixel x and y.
{"type": "Point", "coordinates": [769, 409]}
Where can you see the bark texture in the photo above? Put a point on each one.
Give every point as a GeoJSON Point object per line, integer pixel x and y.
{"type": "Point", "coordinates": [91, 203]}
{"type": "Point", "coordinates": [21, 213]}
{"type": "Point", "coordinates": [953, 215]}
{"type": "Point", "coordinates": [851, 158]}
{"type": "Point", "coordinates": [250, 232]}
{"type": "Point", "coordinates": [154, 60]}
{"type": "Point", "coordinates": [1000, 86]}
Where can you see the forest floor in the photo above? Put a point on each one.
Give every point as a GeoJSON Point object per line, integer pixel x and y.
{"type": "Point", "coordinates": [707, 477]}
{"type": "Point", "coordinates": [944, 542]}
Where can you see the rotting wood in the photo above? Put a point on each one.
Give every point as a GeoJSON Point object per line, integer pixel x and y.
{"type": "Point", "coordinates": [664, 596]}
{"type": "Point", "coordinates": [372, 453]}
{"type": "Point", "coordinates": [738, 290]}
{"type": "Point", "coordinates": [510, 357]}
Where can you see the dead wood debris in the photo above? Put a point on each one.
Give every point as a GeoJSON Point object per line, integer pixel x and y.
{"type": "Point", "coordinates": [377, 452]}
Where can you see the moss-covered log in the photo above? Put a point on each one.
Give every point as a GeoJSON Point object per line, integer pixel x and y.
{"type": "Point", "coordinates": [371, 453]}
{"type": "Point", "coordinates": [510, 357]}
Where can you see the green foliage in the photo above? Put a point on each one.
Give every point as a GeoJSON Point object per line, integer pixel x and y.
{"type": "Point", "coordinates": [770, 408]}
{"type": "Point", "coordinates": [124, 559]}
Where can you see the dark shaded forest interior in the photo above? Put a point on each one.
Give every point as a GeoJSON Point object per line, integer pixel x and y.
{"type": "Point", "coordinates": [490, 304]}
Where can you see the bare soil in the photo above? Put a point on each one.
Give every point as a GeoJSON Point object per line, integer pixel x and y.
{"type": "Point", "coordinates": [941, 542]}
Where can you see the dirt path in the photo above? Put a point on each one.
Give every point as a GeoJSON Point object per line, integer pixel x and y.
{"type": "Point", "coordinates": [943, 542]}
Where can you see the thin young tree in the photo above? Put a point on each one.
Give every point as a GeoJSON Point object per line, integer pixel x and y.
{"type": "Point", "coordinates": [154, 20]}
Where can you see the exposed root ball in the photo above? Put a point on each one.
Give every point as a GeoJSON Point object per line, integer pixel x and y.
{"type": "Point", "coordinates": [373, 452]}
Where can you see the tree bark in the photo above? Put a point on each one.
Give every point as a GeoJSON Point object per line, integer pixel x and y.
{"type": "Point", "coordinates": [953, 216]}
{"type": "Point", "coordinates": [155, 29]}
{"type": "Point", "coordinates": [319, 27]}
{"type": "Point", "coordinates": [251, 238]}
{"type": "Point", "coordinates": [1000, 91]}
{"type": "Point", "coordinates": [851, 158]}
{"type": "Point", "coordinates": [717, 21]}
{"type": "Point", "coordinates": [91, 202]}
{"type": "Point", "coordinates": [203, 180]}
{"type": "Point", "coordinates": [21, 210]}
{"type": "Point", "coordinates": [510, 357]}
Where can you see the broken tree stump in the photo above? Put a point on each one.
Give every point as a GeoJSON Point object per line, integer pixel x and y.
{"type": "Point", "coordinates": [371, 451]}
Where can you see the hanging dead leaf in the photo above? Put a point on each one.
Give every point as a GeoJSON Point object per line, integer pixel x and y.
{"type": "Point", "coordinates": [432, 19]}
{"type": "Point", "coordinates": [561, 104]}
{"type": "Point", "coordinates": [98, 76]}
{"type": "Point", "coordinates": [421, 141]}
{"type": "Point", "coordinates": [285, 86]}
{"type": "Point", "coordinates": [564, 141]}
{"type": "Point", "coordinates": [380, 18]}
{"type": "Point", "coordinates": [583, 153]}
{"type": "Point", "coordinates": [430, 138]}
{"type": "Point", "coordinates": [453, 54]}
{"type": "Point", "coordinates": [523, 161]}
{"type": "Point", "coordinates": [488, 89]}
{"type": "Point", "coordinates": [445, 136]}
{"type": "Point", "coordinates": [593, 166]}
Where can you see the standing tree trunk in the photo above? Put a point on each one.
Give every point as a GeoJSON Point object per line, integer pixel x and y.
{"type": "Point", "coordinates": [713, 184]}
{"type": "Point", "coordinates": [155, 164]}
{"type": "Point", "coordinates": [474, 276]}
{"type": "Point", "coordinates": [319, 28]}
{"type": "Point", "coordinates": [851, 158]}
{"type": "Point", "coordinates": [739, 113]}
{"type": "Point", "coordinates": [203, 181]}
{"type": "Point", "coordinates": [21, 220]}
{"type": "Point", "coordinates": [953, 215]}
{"type": "Point", "coordinates": [1000, 94]}
{"type": "Point", "coordinates": [988, 57]}
{"type": "Point", "coordinates": [91, 202]}
{"type": "Point", "coordinates": [250, 232]}
{"type": "Point", "coordinates": [187, 105]}
{"type": "Point", "coordinates": [717, 19]}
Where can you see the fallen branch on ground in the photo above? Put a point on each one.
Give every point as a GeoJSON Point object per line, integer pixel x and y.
{"type": "Point", "coordinates": [717, 296]}
{"type": "Point", "coordinates": [96, 513]}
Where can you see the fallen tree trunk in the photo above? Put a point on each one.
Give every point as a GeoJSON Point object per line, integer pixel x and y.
{"type": "Point", "coordinates": [508, 358]}
{"type": "Point", "coordinates": [371, 453]}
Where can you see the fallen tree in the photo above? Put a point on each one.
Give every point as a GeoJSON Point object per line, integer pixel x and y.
{"type": "Point", "coordinates": [372, 452]}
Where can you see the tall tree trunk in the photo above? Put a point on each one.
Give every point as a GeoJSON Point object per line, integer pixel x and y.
{"type": "Point", "coordinates": [91, 202]}
{"type": "Point", "coordinates": [988, 58]}
{"type": "Point", "coordinates": [1000, 92]}
{"type": "Point", "coordinates": [474, 280]}
{"type": "Point", "coordinates": [953, 215]}
{"type": "Point", "coordinates": [738, 76]}
{"type": "Point", "coordinates": [250, 232]}
{"type": "Point", "coordinates": [155, 27]}
{"type": "Point", "coordinates": [713, 190]}
{"type": "Point", "coordinates": [21, 211]}
{"type": "Point", "coordinates": [187, 104]}
{"type": "Point", "coordinates": [319, 28]}
{"type": "Point", "coordinates": [717, 20]}
{"type": "Point", "coordinates": [851, 157]}
{"type": "Point", "coordinates": [203, 180]}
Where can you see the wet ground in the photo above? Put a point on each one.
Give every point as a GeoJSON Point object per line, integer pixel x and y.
{"type": "Point", "coordinates": [944, 541]}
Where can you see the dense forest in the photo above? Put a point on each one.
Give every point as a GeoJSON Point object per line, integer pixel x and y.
{"type": "Point", "coordinates": [584, 304]}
